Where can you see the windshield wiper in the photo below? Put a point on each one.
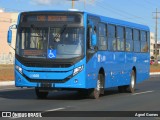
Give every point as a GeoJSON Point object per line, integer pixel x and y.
{"type": "Point", "coordinates": [61, 32]}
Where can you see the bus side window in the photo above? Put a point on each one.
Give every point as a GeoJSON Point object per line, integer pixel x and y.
{"type": "Point", "coordinates": [148, 41]}
{"type": "Point", "coordinates": [136, 38]}
{"type": "Point", "coordinates": [129, 39]}
{"type": "Point", "coordinates": [111, 37]}
{"type": "Point", "coordinates": [144, 44]}
{"type": "Point", "coordinates": [120, 38]}
{"type": "Point", "coordinates": [102, 44]}
{"type": "Point", "coordinates": [89, 32]}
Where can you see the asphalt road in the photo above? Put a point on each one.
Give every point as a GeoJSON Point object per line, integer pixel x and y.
{"type": "Point", "coordinates": [145, 98]}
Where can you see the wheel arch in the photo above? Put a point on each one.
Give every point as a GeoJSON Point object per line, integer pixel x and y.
{"type": "Point", "coordinates": [135, 71]}
{"type": "Point", "coordinates": [102, 71]}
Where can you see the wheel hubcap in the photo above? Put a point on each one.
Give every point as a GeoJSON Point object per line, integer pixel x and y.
{"type": "Point", "coordinates": [132, 82]}
{"type": "Point", "coordinates": [98, 85]}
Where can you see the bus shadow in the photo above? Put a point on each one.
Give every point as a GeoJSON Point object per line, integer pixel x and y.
{"type": "Point", "coordinates": [74, 95]}
{"type": "Point", "coordinates": [29, 94]}
{"type": "Point", "coordinates": [18, 94]}
{"type": "Point", "coordinates": [65, 95]}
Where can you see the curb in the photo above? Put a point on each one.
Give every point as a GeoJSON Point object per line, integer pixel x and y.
{"type": "Point", "coordinates": [155, 73]}
{"type": "Point", "coordinates": [9, 83]}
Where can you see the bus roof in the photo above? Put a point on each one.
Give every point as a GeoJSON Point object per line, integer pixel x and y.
{"type": "Point", "coordinates": [102, 18]}
{"type": "Point", "coordinates": [121, 22]}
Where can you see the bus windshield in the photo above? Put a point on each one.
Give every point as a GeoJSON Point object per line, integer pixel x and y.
{"type": "Point", "coordinates": [50, 42]}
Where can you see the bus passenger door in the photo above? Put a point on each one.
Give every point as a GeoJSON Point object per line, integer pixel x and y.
{"type": "Point", "coordinates": [92, 31]}
{"type": "Point", "coordinates": [91, 51]}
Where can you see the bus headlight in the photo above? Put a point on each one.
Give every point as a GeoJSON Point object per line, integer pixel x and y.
{"type": "Point", "coordinates": [19, 69]}
{"type": "Point", "coordinates": [77, 70]}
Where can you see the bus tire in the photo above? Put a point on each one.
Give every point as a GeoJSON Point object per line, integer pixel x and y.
{"type": "Point", "coordinates": [131, 87]}
{"type": "Point", "coordinates": [95, 93]}
{"type": "Point", "coordinates": [41, 94]}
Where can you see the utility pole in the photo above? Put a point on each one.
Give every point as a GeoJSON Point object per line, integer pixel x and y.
{"type": "Point", "coordinates": [73, 3]}
{"type": "Point", "coordinates": [156, 33]}
{"type": "Point", "coordinates": [77, 0]}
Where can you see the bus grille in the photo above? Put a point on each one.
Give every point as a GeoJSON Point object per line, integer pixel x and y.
{"type": "Point", "coordinates": [31, 62]}
{"type": "Point", "coordinates": [49, 80]}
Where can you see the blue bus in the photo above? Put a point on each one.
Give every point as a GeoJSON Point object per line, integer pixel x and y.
{"type": "Point", "coordinates": [74, 50]}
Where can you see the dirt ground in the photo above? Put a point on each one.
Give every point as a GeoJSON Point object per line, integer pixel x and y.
{"type": "Point", "coordinates": [155, 68]}
{"type": "Point", "coordinates": [7, 71]}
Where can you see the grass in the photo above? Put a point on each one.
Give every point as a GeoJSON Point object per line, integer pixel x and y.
{"type": "Point", "coordinates": [7, 71]}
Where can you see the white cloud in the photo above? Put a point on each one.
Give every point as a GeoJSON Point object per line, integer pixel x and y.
{"type": "Point", "coordinates": [47, 2]}
{"type": "Point", "coordinates": [58, 2]}
{"type": "Point", "coordinates": [91, 2]}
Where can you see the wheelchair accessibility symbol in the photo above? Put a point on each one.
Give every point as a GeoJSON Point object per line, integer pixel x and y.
{"type": "Point", "coordinates": [51, 53]}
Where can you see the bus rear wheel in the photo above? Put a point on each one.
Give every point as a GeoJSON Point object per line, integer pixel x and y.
{"type": "Point", "coordinates": [95, 93]}
{"type": "Point", "coordinates": [131, 87]}
{"type": "Point", "coordinates": [41, 94]}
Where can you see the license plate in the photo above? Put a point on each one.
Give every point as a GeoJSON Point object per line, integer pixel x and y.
{"type": "Point", "coordinates": [46, 85]}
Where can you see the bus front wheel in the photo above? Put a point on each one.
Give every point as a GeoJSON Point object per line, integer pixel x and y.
{"type": "Point", "coordinates": [41, 94]}
{"type": "Point", "coordinates": [95, 93]}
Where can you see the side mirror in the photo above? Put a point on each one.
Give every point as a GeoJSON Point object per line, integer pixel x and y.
{"type": "Point", "coordinates": [93, 40]}
{"type": "Point", "coordinates": [9, 37]}
{"type": "Point", "coordinates": [13, 27]}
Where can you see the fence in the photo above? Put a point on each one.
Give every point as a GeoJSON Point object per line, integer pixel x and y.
{"type": "Point", "coordinates": [7, 58]}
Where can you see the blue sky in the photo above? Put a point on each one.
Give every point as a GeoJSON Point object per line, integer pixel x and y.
{"type": "Point", "coordinates": [138, 11]}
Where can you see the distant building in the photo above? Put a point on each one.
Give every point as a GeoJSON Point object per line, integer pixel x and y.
{"type": "Point", "coordinates": [6, 52]}
{"type": "Point", "coordinates": [152, 46]}
{"type": "Point", "coordinates": [158, 50]}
